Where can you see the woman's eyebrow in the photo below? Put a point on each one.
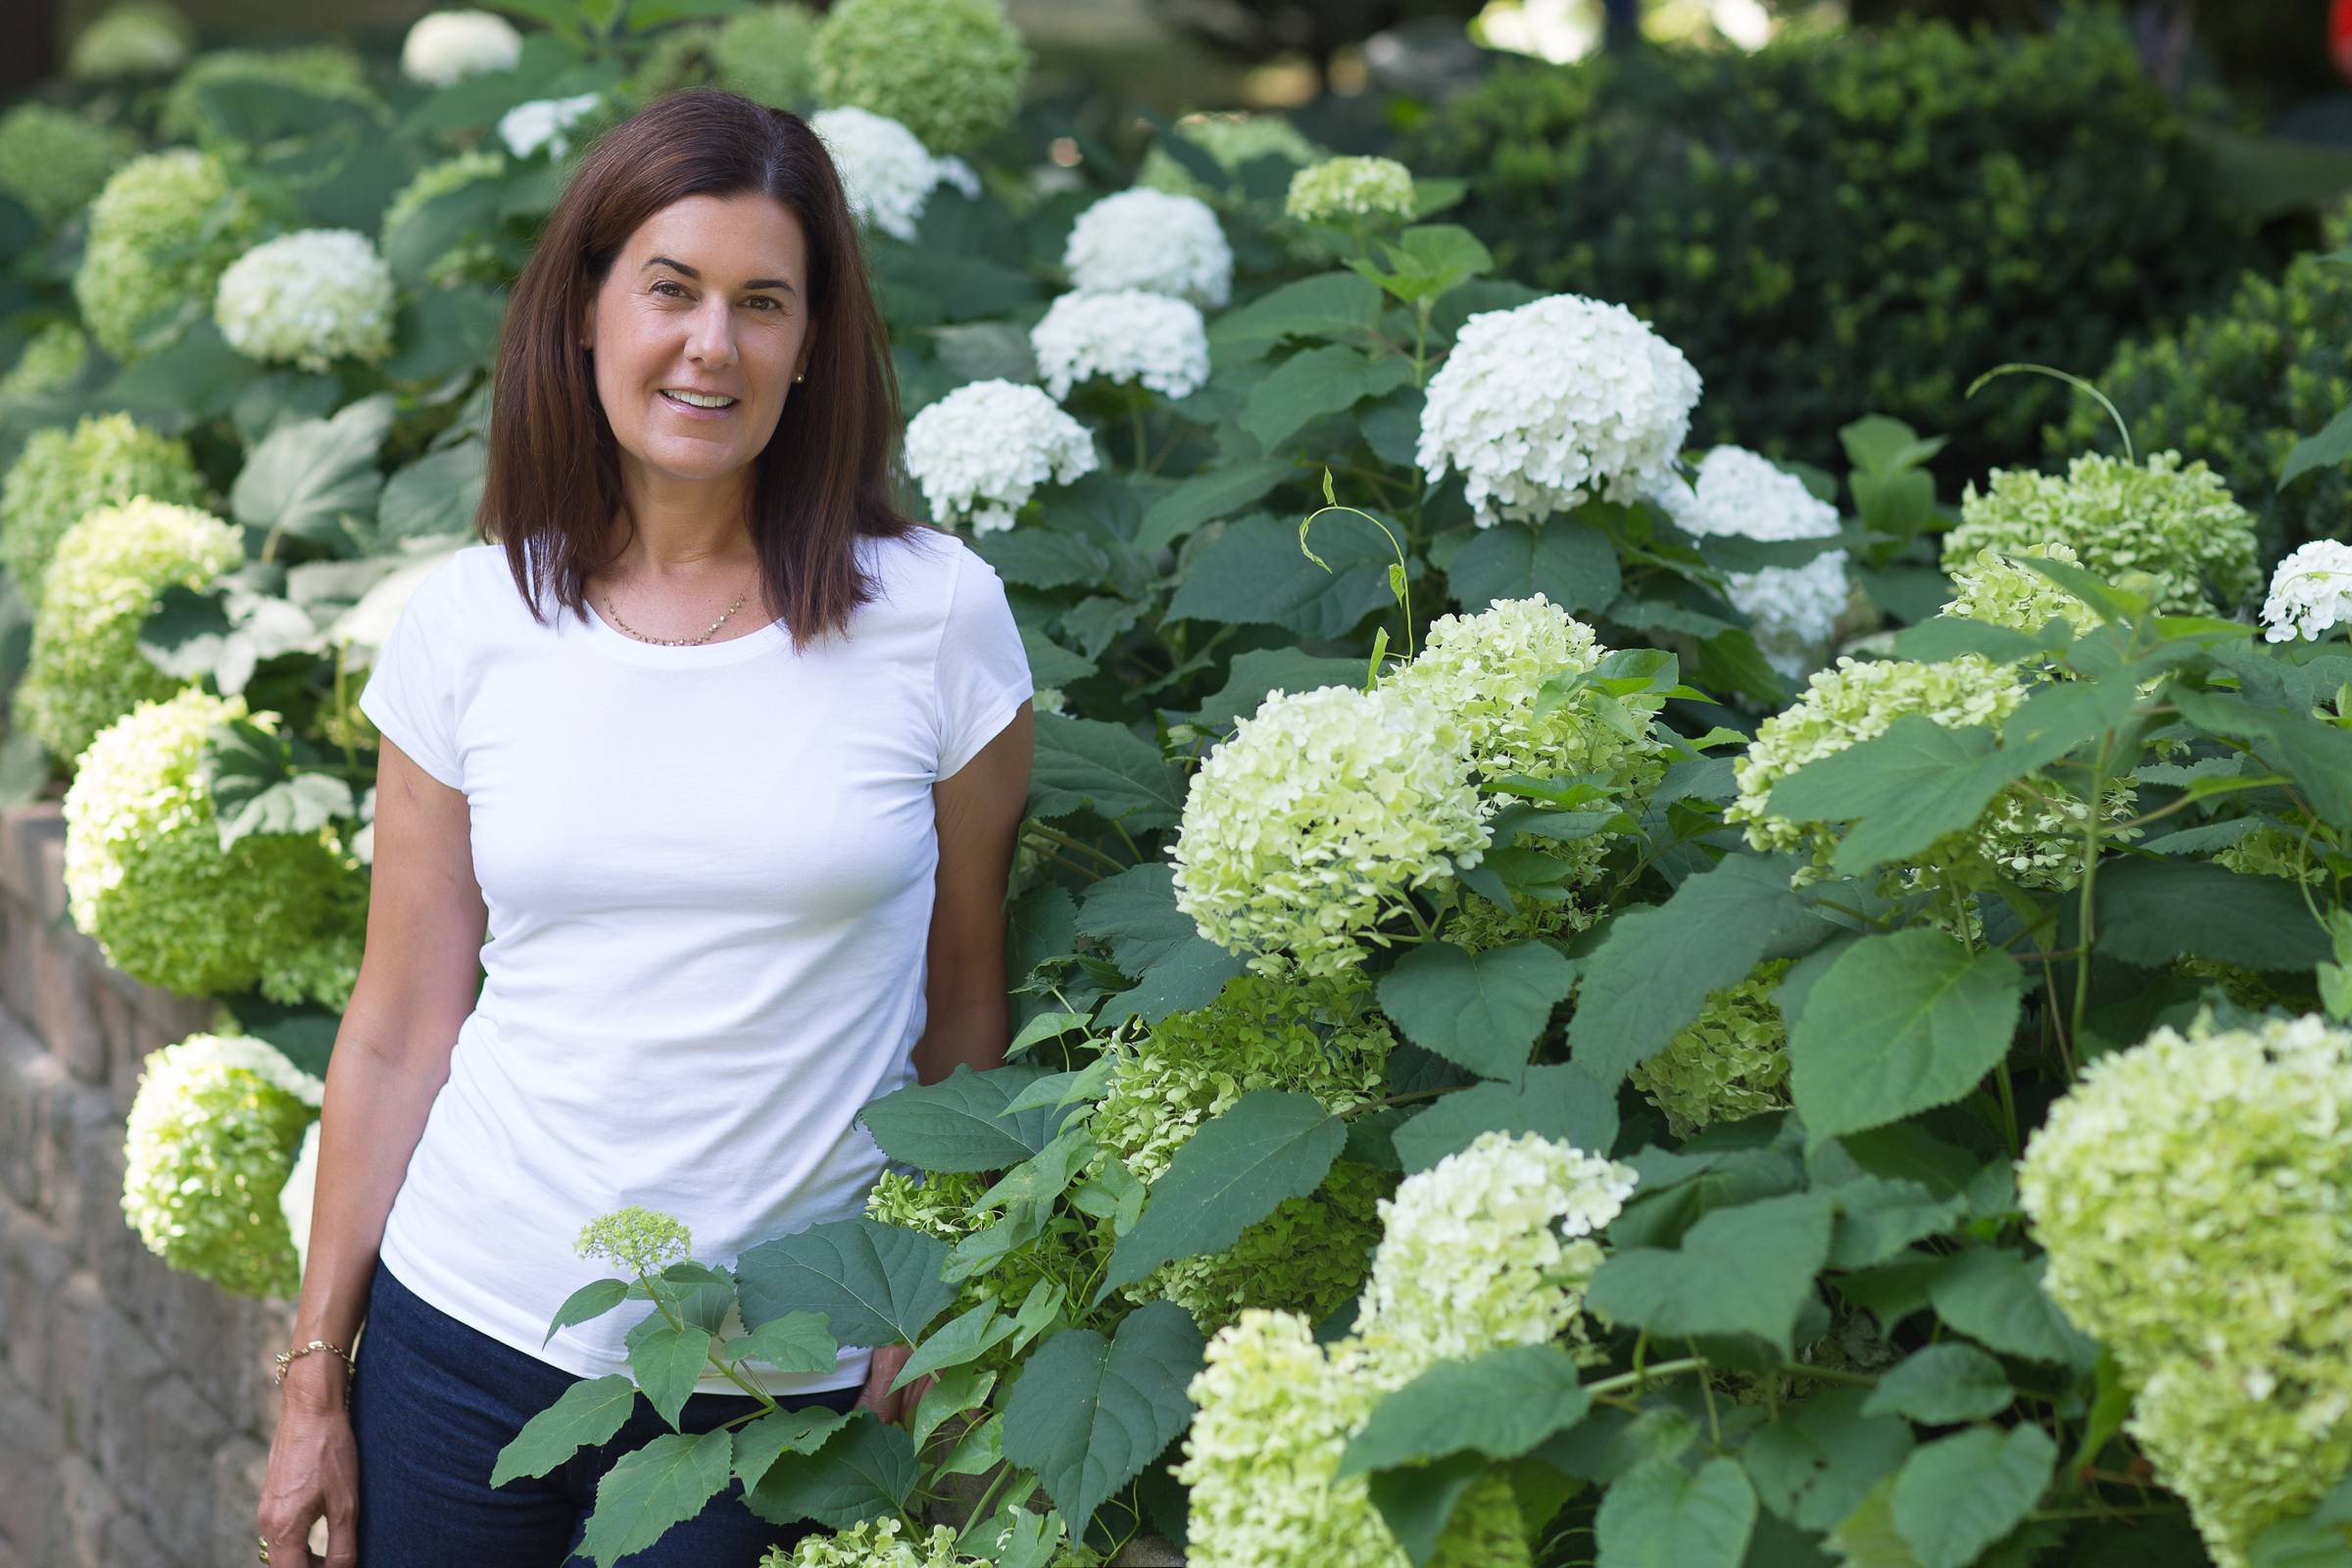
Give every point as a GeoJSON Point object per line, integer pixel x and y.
{"type": "Point", "coordinates": [681, 267]}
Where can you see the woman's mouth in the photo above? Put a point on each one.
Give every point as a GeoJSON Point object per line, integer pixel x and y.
{"type": "Point", "coordinates": [697, 404]}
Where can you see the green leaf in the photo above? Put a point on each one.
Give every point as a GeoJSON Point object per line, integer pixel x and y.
{"type": "Point", "coordinates": [1657, 1516]}
{"type": "Point", "coordinates": [1216, 492]}
{"type": "Point", "coordinates": [1089, 1414]}
{"type": "Point", "coordinates": [963, 1337]}
{"type": "Point", "coordinates": [1948, 637]}
{"type": "Point", "coordinates": [1416, 1503]}
{"type": "Point", "coordinates": [2321, 1538]}
{"type": "Point", "coordinates": [1482, 1011]}
{"type": "Point", "coordinates": [1899, 1023]}
{"type": "Point", "coordinates": [865, 1469]}
{"type": "Point", "coordinates": [1317, 381]}
{"type": "Point", "coordinates": [648, 1489]}
{"type": "Point", "coordinates": [1561, 1100]}
{"type": "Point", "coordinates": [1501, 1404]}
{"type": "Point", "coordinates": [1867, 1536]}
{"type": "Point", "coordinates": [435, 495]}
{"type": "Point", "coordinates": [1656, 967]}
{"type": "Point", "coordinates": [1252, 573]}
{"type": "Point", "coordinates": [1877, 1217]}
{"type": "Point", "coordinates": [1994, 1296]}
{"type": "Point", "coordinates": [1902, 790]}
{"type": "Point", "coordinates": [1270, 1145]}
{"type": "Point", "coordinates": [797, 1342]}
{"type": "Point", "coordinates": [311, 474]}
{"type": "Point", "coordinates": [1815, 1467]}
{"type": "Point", "coordinates": [805, 1430]}
{"type": "Point", "coordinates": [951, 1394]}
{"type": "Point", "coordinates": [1572, 564]}
{"type": "Point", "coordinates": [2324, 450]}
{"type": "Point", "coordinates": [669, 1361]}
{"type": "Point", "coordinates": [1941, 1385]}
{"type": "Point", "coordinates": [1744, 1270]}
{"type": "Point", "coordinates": [2151, 913]}
{"type": "Point", "coordinates": [1958, 1495]}
{"type": "Point", "coordinates": [1040, 558]}
{"type": "Point", "coordinates": [875, 1283]}
{"type": "Point", "coordinates": [961, 1122]}
{"type": "Point", "coordinates": [585, 1416]}
{"type": "Point", "coordinates": [1326, 305]}
{"type": "Point", "coordinates": [1088, 764]}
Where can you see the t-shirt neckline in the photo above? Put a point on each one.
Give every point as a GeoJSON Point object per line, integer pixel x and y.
{"type": "Point", "coordinates": [621, 645]}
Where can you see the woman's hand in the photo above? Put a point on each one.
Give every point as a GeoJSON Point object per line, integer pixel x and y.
{"type": "Point", "coordinates": [313, 1471]}
{"type": "Point", "coordinates": [889, 1361]}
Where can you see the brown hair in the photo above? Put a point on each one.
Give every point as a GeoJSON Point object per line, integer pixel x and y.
{"type": "Point", "coordinates": [828, 472]}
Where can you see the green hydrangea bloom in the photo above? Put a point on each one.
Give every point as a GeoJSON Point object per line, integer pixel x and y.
{"type": "Point", "coordinates": [161, 233]}
{"type": "Point", "coordinates": [1233, 138]}
{"type": "Point", "coordinates": [147, 880]}
{"type": "Point", "coordinates": [1729, 1064]}
{"type": "Point", "coordinates": [322, 69]}
{"type": "Point", "coordinates": [61, 476]}
{"type": "Point", "coordinates": [885, 1544]}
{"type": "Point", "coordinates": [2032, 844]}
{"type": "Point", "coordinates": [767, 54]}
{"type": "Point", "coordinates": [1342, 190]}
{"type": "Point", "coordinates": [2280, 852]}
{"type": "Point", "coordinates": [946, 1204]}
{"type": "Point", "coordinates": [2196, 1203]}
{"type": "Point", "coordinates": [132, 38]}
{"type": "Point", "coordinates": [1479, 924]}
{"type": "Point", "coordinates": [472, 259]}
{"type": "Point", "coordinates": [950, 70]}
{"type": "Point", "coordinates": [50, 361]}
{"type": "Point", "coordinates": [1307, 1256]}
{"type": "Point", "coordinates": [85, 669]}
{"type": "Point", "coordinates": [1994, 588]}
{"type": "Point", "coordinates": [211, 1140]}
{"type": "Point", "coordinates": [2177, 524]}
{"type": "Point", "coordinates": [640, 1240]}
{"type": "Point", "coordinates": [54, 162]}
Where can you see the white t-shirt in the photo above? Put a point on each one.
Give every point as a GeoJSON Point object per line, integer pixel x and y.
{"type": "Point", "coordinates": [709, 875]}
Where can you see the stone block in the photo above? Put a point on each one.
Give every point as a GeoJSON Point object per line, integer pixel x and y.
{"type": "Point", "coordinates": [29, 1449]}
{"type": "Point", "coordinates": [28, 828]}
{"type": "Point", "coordinates": [128, 1543]}
{"type": "Point", "coordinates": [171, 1452]}
{"type": "Point", "coordinates": [102, 1366]}
{"type": "Point", "coordinates": [58, 1006]}
{"type": "Point", "coordinates": [84, 1503]}
{"type": "Point", "coordinates": [26, 1076]}
{"type": "Point", "coordinates": [81, 1143]}
{"type": "Point", "coordinates": [33, 1267]}
{"type": "Point", "coordinates": [239, 1467]}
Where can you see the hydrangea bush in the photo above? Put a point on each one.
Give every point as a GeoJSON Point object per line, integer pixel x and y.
{"type": "Point", "coordinates": [162, 231]}
{"type": "Point", "coordinates": [54, 162]}
{"type": "Point", "coordinates": [104, 459]}
{"type": "Point", "coordinates": [950, 70]}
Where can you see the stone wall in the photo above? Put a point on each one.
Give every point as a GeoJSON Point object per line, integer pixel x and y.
{"type": "Point", "coordinates": [135, 1402]}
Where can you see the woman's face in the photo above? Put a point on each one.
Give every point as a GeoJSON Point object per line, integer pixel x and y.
{"type": "Point", "coordinates": [708, 298]}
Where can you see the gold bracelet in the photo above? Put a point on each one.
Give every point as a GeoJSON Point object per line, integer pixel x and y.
{"type": "Point", "coordinates": [285, 1358]}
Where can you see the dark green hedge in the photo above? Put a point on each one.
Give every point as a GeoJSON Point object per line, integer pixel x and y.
{"type": "Point", "coordinates": [1835, 226]}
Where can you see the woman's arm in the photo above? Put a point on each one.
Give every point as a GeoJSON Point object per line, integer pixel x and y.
{"type": "Point", "coordinates": [979, 814]}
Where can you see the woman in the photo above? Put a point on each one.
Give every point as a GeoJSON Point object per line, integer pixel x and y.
{"type": "Point", "coordinates": [737, 819]}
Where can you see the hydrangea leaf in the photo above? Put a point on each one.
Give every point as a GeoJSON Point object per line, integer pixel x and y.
{"type": "Point", "coordinates": [1958, 1495]}
{"type": "Point", "coordinates": [1501, 1404]}
{"type": "Point", "coordinates": [1745, 1270]}
{"type": "Point", "coordinates": [1327, 380]}
{"type": "Point", "coordinates": [1950, 636]}
{"type": "Point", "coordinates": [1996, 1296]}
{"type": "Point", "coordinates": [1090, 1413]}
{"type": "Point", "coordinates": [587, 1413]}
{"type": "Point", "coordinates": [1877, 1217]}
{"type": "Point", "coordinates": [2318, 1540]}
{"type": "Point", "coordinates": [864, 1469]}
{"type": "Point", "coordinates": [1900, 1023]}
{"type": "Point", "coordinates": [961, 1122]}
{"type": "Point", "coordinates": [1271, 1146]}
{"type": "Point", "coordinates": [2151, 913]}
{"type": "Point", "coordinates": [805, 1430]}
{"type": "Point", "coordinates": [1090, 765]}
{"type": "Point", "coordinates": [1217, 492]}
{"type": "Point", "coordinates": [2317, 755]}
{"type": "Point", "coordinates": [666, 1482]}
{"type": "Point", "coordinates": [1559, 1101]}
{"type": "Point", "coordinates": [797, 1342]}
{"type": "Point", "coordinates": [1902, 790]}
{"type": "Point", "coordinates": [1482, 1011]}
{"type": "Point", "coordinates": [1571, 563]}
{"type": "Point", "coordinates": [1657, 1516]}
{"type": "Point", "coordinates": [960, 1340]}
{"type": "Point", "coordinates": [1815, 1467]}
{"type": "Point", "coordinates": [1323, 306]}
{"type": "Point", "coordinates": [669, 1360]}
{"type": "Point", "coordinates": [1417, 1504]}
{"type": "Point", "coordinates": [1254, 574]}
{"type": "Point", "coordinates": [306, 477]}
{"type": "Point", "coordinates": [436, 495]}
{"type": "Point", "coordinates": [1943, 1384]}
{"type": "Point", "coordinates": [592, 1299]}
{"type": "Point", "coordinates": [875, 1284]}
{"type": "Point", "coordinates": [1038, 558]}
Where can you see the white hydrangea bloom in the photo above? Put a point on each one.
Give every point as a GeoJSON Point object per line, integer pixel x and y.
{"type": "Point", "coordinates": [1130, 335]}
{"type": "Point", "coordinates": [308, 299]}
{"type": "Point", "coordinates": [1489, 1247]}
{"type": "Point", "coordinates": [1555, 402]}
{"type": "Point", "coordinates": [2311, 591]}
{"type": "Point", "coordinates": [299, 1197]}
{"type": "Point", "coordinates": [1149, 239]}
{"type": "Point", "coordinates": [1339, 189]}
{"type": "Point", "coordinates": [449, 46]}
{"type": "Point", "coordinates": [886, 172]}
{"type": "Point", "coordinates": [1741, 494]}
{"type": "Point", "coordinates": [982, 451]}
{"type": "Point", "coordinates": [953, 170]}
{"type": "Point", "coordinates": [1306, 827]}
{"type": "Point", "coordinates": [543, 123]}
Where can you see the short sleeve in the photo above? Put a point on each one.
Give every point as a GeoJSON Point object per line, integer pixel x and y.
{"type": "Point", "coordinates": [412, 690]}
{"type": "Point", "coordinates": [983, 671]}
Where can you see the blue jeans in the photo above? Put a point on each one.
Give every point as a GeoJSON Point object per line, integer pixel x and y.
{"type": "Point", "coordinates": [433, 1401]}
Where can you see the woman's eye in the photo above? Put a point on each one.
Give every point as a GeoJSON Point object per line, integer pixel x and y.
{"type": "Point", "coordinates": [767, 300]}
{"type": "Point", "coordinates": [662, 283]}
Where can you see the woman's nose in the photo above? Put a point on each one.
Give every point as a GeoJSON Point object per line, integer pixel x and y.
{"type": "Point", "coordinates": [712, 338]}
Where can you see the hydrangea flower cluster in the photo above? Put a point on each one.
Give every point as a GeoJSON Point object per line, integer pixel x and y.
{"type": "Point", "coordinates": [1339, 190]}
{"type": "Point", "coordinates": [874, 1544]}
{"type": "Point", "coordinates": [1126, 336]}
{"type": "Point", "coordinates": [85, 669]}
{"type": "Point", "coordinates": [643, 1241]}
{"type": "Point", "coordinates": [1307, 1256]}
{"type": "Point", "coordinates": [2177, 524]}
{"type": "Point", "coordinates": [2034, 845]}
{"type": "Point", "coordinates": [886, 172]}
{"type": "Point", "coordinates": [1306, 827]}
{"type": "Point", "coordinates": [765, 53]}
{"type": "Point", "coordinates": [1994, 588]}
{"type": "Point", "coordinates": [981, 452]}
{"type": "Point", "coordinates": [2273, 850]}
{"type": "Point", "coordinates": [161, 233]}
{"type": "Point", "coordinates": [1233, 140]}
{"type": "Point", "coordinates": [132, 38]}
{"type": "Point", "coordinates": [147, 880]}
{"type": "Point", "coordinates": [308, 299]}
{"type": "Point", "coordinates": [1743, 495]}
{"type": "Point", "coordinates": [950, 70]}
{"type": "Point", "coordinates": [1729, 1064]}
{"type": "Point", "coordinates": [51, 359]}
{"type": "Point", "coordinates": [1552, 403]}
{"type": "Point", "coordinates": [545, 124]}
{"type": "Point", "coordinates": [472, 259]}
{"type": "Point", "coordinates": [2196, 1203]}
{"type": "Point", "coordinates": [61, 476]}
{"type": "Point", "coordinates": [2311, 591]}
{"type": "Point", "coordinates": [1149, 239]}
{"type": "Point", "coordinates": [322, 70]}
{"type": "Point", "coordinates": [211, 1140]}
{"type": "Point", "coordinates": [446, 46]}
{"type": "Point", "coordinates": [54, 162]}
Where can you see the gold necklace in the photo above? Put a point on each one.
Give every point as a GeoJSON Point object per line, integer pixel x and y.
{"type": "Point", "coordinates": [614, 616]}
